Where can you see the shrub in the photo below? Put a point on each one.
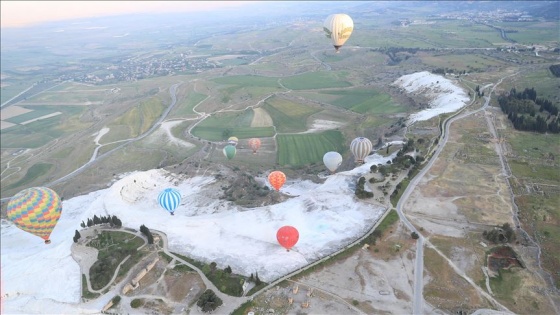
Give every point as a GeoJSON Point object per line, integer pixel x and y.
{"type": "Point", "coordinates": [136, 303]}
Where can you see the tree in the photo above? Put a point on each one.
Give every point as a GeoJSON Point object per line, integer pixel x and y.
{"type": "Point", "coordinates": [89, 222]}
{"type": "Point", "coordinates": [415, 235]}
{"type": "Point", "coordinates": [257, 280]}
{"type": "Point", "coordinates": [227, 269]}
{"type": "Point", "coordinates": [213, 266]}
{"type": "Point", "coordinates": [209, 301]}
{"type": "Point", "coordinates": [96, 220]}
{"type": "Point", "coordinates": [116, 221]}
{"type": "Point", "coordinates": [83, 225]}
{"type": "Point", "coordinates": [148, 234]}
{"type": "Point", "coordinates": [77, 235]}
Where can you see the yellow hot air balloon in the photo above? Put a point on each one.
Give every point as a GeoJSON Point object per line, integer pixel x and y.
{"type": "Point", "coordinates": [338, 27]}
{"type": "Point", "coordinates": [35, 210]}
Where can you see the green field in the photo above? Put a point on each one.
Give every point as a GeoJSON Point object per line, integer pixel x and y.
{"type": "Point", "coordinates": [530, 32]}
{"type": "Point", "coordinates": [302, 149]}
{"type": "Point", "coordinates": [316, 80]}
{"type": "Point", "coordinates": [33, 173]}
{"type": "Point", "coordinates": [219, 127]}
{"type": "Point", "coordinates": [185, 106]}
{"type": "Point", "coordinates": [546, 85]}
{"type": "Point", "coordinates": [215, 133]}
{"type": "Point", "coordinates": [461, 61]}
{"type": "Point", "coordinates": [365, 101]}
{"type": "Point", "coordinates": [288, 116]}
{"type": "Point", "coordinates": [245, 87]}
{"type": "Point", "coordinates": [141, 117]}
{"type": "Point", "coordinates": [248, 80]}
{"type": "Point", "coordinates": [31, 136]}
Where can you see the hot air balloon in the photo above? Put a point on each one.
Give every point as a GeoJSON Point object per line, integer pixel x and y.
{"type": "Point", "coordinates": [360, 147]}
{"type": "Point", "coordinates": [338, 27]}
{"type": "Point", "coordinates": [255, 144]}
{"type": "Point", "coordinates": [229, 151]}
{"type": "Point", "coordinates": [35, 210]}
{"type": "Point", "coordinates": [332, 160]}
{"type": "Point", "coordinates": [233, 141]}
{"type": "Point", "coordinates": [276, 179]}
{"type": "Point", "coordinates": [287, 236]}
{"type": "Point", "coordinates": [169, 199]}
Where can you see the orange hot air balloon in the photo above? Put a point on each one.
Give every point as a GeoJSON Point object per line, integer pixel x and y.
{"type": "Point", "coordinates": [276, 179]}
{"type": "Point", "coordinates": [287, 236]}
{"type": "Point", "coordinates": [35, 210]}
{"type": "Point", "coordinates": [255, 144]}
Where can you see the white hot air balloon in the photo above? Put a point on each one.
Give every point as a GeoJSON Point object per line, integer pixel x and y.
{"type": "Point", "coordinates": [332, 160]}
{"type": "Point", "coordinates": [361, 147]}
{"type": "Point", "coordinates": [338, 27]}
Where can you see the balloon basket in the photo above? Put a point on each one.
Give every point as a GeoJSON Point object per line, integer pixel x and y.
{"type": "Point", "coordinates": [47, 241]}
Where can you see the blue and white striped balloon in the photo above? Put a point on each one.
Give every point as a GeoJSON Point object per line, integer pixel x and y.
{"type": "Point", "coordinates": [169, 199]}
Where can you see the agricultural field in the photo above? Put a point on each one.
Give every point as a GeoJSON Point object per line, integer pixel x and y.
{"type": "Point", "coordinates": [288, 116]}
{"type": "Point", "coordinates": [363, 101]}
{"type": "Point", "coordinates": [462, 61]}
{"type": "Point", "coordinates": [303, 149]}
{"type": "Point", "coordinates": [34, 174]}
{"type": "Point", "coordinates": [219, 127]}
{"type": "Point", "coordinates": [526, 33]}
{"type": "Point", "coordinates": [40, 132]}
{"type": "Point", "coordinates": [248, 80]}
{"type": "Point", "coordinates": [316, 80]}
{"type": "Point", "coordinates": [185, 106]}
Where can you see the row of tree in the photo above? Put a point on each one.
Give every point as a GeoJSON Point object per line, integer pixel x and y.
{"type": "Point", "coordinates": [555, 69]}
{"type": "Point", "coordinates": [521, 108]}
{"type": "Point", "coordinates": [113, 221]}
{"type": "Point", "coordinates": [148, 234]}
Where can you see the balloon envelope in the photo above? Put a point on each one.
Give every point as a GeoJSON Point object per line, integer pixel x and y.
{"type": "Point", "coordinates": [233, 141]}
{"type": "Point", "coordinates": [287, 236]}
{"type": "Point", "coordinates": [361, 147]}
{"type": "Point", "coordinates": [338, 27]}
{"type": "Point", "coordinates": [332, 160]}
{"type": "Point", "coordinates": [255, 144]}
{"type": "Point", "coordinates": [35, 210]}
{"type": "Point", "coordinates": [229, 151]}
{"type": "Point", "coordinates": [276, 179]}
{"type": "Point", "coordinates": [169, 199]}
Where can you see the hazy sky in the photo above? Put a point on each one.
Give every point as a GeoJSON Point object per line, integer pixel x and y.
{"type": "Point", "coordinates": [24, 13]}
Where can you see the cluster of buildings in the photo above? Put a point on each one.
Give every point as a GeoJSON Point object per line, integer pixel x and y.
{"type": "Point", "coordinates": [490, 16]}
{"type": "Point", "coordinates": [137, 68]}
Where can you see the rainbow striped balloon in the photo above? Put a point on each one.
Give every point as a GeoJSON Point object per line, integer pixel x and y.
{"type": "Point", "coordinates": [35, 210]}
{"type": "Point", "coordinates": [169, 199]}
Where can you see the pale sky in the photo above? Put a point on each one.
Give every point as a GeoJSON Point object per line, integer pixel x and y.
{"type": "Point", "coordinates": [25, 13]}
